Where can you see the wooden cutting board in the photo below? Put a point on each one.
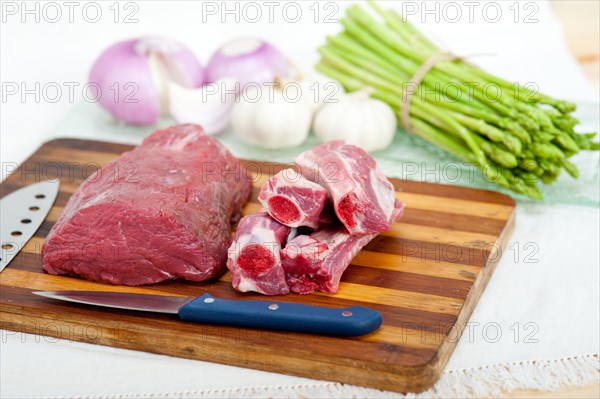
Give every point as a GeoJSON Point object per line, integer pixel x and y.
{"type": "Point", "coordinates": [425, 277]}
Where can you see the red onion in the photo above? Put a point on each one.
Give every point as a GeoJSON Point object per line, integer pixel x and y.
{"type": "Point", "coordinates": [132, 76]}
{"type": "Point", "coordinates": [247, 60]}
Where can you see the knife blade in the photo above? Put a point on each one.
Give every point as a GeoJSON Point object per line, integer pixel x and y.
{"type": "Point", "coordinates": [350, 321]}
{"type": "Point", "coordinates": [22, 213]}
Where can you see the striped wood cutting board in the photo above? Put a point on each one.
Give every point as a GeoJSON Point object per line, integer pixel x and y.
{"type": "Point", "coordinates": [425, 277]}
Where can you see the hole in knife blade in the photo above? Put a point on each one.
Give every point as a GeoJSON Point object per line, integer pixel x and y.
{"type": "Point", "coordinates": [15, 233]}
{"type": "Point", "coordinates": [40, 196]}
{"type": "Point", "coordinates": [7, 246]}
{"type": "Point", "coordinates": [25, 221]}
{"type": "Point", "coordinates": [34, 208]}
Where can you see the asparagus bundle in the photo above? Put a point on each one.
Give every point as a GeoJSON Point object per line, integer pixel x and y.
{"type": "Point", "coordinates": [517, 138]}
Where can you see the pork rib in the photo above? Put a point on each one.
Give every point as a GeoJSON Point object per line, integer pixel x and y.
{"type": "Point", "coordinates": [363, 198]}
{"type": "Point", "coordinates": [254, 256]}
{"type": "Point", "coordinates": [161, 211]}
{"type": "Point", "coordinates": [294, 201]}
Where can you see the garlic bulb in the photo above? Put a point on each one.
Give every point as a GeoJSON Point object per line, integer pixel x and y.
{"type": "Point", "coordinates": [318, 90]}
{"type": "Point", "coordinates": [272, 117]}
{"type": "Point", "coordinates": [358, 119]}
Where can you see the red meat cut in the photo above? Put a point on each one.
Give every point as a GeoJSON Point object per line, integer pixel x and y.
{"type": "Point", "coordinates": [293, 200]}
{"type": "Point", "coordinates": [254, 259]}
{"type": "Point", "coordinates": [363, 198]}
{"type": "Point", "coordinates": [317, 262]}
{"type": "Point", "coordinates": [161, 211]}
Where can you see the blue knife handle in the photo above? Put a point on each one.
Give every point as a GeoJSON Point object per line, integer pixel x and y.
{"type": "Point", "coordinates": [352, 321]}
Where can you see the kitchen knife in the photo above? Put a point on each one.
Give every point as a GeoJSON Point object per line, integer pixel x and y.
{"type": "Point", "coordinates": [351, 321]}
{"type": "Point", "coordinates": [22, 212]}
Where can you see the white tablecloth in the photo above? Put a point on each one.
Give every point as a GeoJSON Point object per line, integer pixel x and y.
{"type": "Point", "coordinates": [536, 325]}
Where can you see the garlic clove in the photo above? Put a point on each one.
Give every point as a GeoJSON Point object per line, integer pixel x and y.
{"type": "Point", "coordinates": [209, 106]}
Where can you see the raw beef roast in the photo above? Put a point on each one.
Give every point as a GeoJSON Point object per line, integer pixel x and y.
{"type": "Point", "coordinates": [254, 255]}
{"type": "Point", "coordinates": [161, 211]}
{"type": "Point", "coordinates": [317, 262]}
{"type": "Point", "coordinates": [293, 200]}
{"type": "Point", "coordinates": [363, 198]}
